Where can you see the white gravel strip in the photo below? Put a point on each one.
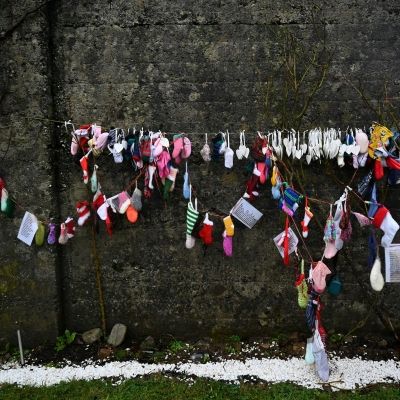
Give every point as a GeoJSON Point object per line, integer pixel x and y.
{"type": "Point", "coordinates": [345, 373]}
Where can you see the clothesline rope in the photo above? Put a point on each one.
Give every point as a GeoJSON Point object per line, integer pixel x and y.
{"type": "Point", "coordinates": [212, 211]}
{"type": "Point", "coordinates": [283, 130]}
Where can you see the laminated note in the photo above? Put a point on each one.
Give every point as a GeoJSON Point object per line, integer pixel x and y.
{"type": "Point", "coordinates": [293, 242]}
{"type": "Point", "coordinates": [392, 263]}
{"type": "Point", "coordinates": [246, 213]}
{"type": "Point", "coordinates": [28, 228]}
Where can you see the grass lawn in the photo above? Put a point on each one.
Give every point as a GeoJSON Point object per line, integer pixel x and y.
{"type": "Point", "coordinates": [157, 387]}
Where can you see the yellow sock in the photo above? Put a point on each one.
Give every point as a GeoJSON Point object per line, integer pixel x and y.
{"type": "Point", "coordinates": [229, 227]}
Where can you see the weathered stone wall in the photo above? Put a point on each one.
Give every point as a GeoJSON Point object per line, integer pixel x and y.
{"type": "Point", "coordinates": [181, 65]}
{"type": "Point", "coordinates": [29, 297]}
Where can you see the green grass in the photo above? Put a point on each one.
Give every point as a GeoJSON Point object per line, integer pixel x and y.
{"type": "Point", "coordinates": [157, 387]}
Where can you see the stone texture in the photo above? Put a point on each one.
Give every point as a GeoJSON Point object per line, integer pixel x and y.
{"type": "Point", "coordinates": [148, 343]}
{"type": "Point", "coordinates": [117, 335]}
{"type": "Point", "coordinates": [190, 66]}
{"type": "Point", "coordinates": [30, 298]}
{"type": "Point", "coordinates": [92, 336]}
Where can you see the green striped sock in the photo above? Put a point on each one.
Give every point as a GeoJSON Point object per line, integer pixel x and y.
{"type": "Point", "coordinates": [191, 218]}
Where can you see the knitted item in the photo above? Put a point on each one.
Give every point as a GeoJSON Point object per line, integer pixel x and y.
{"type": "Point", "coordinates": [301, 285]}
{"type": "Point", "coordinates": [178, 146]}
{"type": "Point", "coordinates": [124, 202]}
{"type": "Point", "coordinates": [167, 188]}
{"type": "Point", "coordinates": [306, 220]}
{"type": "Point", "coordinates": [83, 210]}
{"type": "Point", "coordinates": [217, 142]}
{"type": "Point", "coordinates": [321, 359]}
{"type": "Point", "coordinates": [252, 185]}
{"type": "Point", "coordinates": [187, 148]}
{"type": "Point", "coordinates": [290, 200]}
{"type": "Point", "coordinates": [309, 356]}
{"type": "Point", "coordinates": [335, 286]}
{"type": "Point", "coordinates": [227, 244]}
{"type": "Point", "coordinates": [378, 170]}
{"type": "Point", "coordinates": [169, 183]}
{"type": "Point", "coordinates": [228, 158]}
{"type": "Point", "coordinates": [2, 186]}
{"type": "Point", "coordinates": [186, 184]}
{"type": "Point", "coordinates": [319, 273]}
{"type": "Point", "coordinates": [7, 205]}
{"type": "Point", "coordinates": [229, 227]}
{"type": "Point", "coordinates": [329, 230]}
{"type": "Point", "coordinates": [131, 214]}
{"type": "Point", "coordinates": [362, 219]}
{"type": "Point", "coordinates": [136, 199]}
{"type": "Point", "coordinates": [51, 238]}
{"type": "Point", "coordinates": [205, 152]}
{"type": "Point", "coordinates": [94, 185]}
{"type": "Point", "coordinates": [384, 220]}
{"type": "Point", "coordinates": [392, 163]}
{"type": "Point", "coordinates": [274, 175]}
{"type": "Point", "coordinates": [145, 149]}
{"type": "Point", "coordinates": [256, 151]}
{"type": "Point", "coordinates": [364, 186]}
{"type": "Point", "coordinates": [163, 164]}
{"type": "Point", "coordinates": [70, 227]}
{"type": "Point", "coordinates": [63, 238]}
{"type": "Point", "coordinates": [311, 309]}
{"type": "Point", "coordinates": [191, 218]}
{"type": "Point", "coordinates": [345, 224]}
{"type": "Point", "coordinates": [151, 171]}
{"type": "Point", "coordinates": [373, 207]}
{"type": "Point", "coordinates": [362, 140]}
{"type": "Point", "coordinates": [4, 199]}
{"type": "Point", "coordinates": [85, 169]}
{"type": "Point", "coordinates": [39, 235]}
{"type": "Point", "coordinates": [100, 205]}
{"type": "Point", "coordinates": [173, 172]}
{"type": "Point", "coordinates": [261, 166]}
{"type": "Point", "coordinates": [205, 232]}
{"type": "Point", "coordinates": [286, 243]}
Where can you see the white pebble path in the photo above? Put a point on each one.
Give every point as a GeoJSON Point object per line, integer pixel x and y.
{"type": "Point", "coordinates": [345, 373]}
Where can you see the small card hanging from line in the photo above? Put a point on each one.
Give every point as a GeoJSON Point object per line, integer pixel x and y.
{"type": "Point", "coordinates": [246, 213]}
{"type": "Point", "coordinates": [392, 263]}
{"type": "Point", "coordinates": [293, 242]}
{"type": "Point", "coordinates": [28, 228]}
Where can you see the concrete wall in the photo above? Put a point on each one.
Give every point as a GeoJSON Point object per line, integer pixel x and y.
{"type": "Point", "coordinates": [182, 65]}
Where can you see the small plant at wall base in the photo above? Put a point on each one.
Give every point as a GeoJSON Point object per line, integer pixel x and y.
{"type": "Point", "coordinates": [176, 345]}
{"type": "Point", "coordinates": [64, 340]}
{"type": "Point", "coordinates": [233, 344]}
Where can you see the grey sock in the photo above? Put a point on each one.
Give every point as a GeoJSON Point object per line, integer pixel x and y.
{"type": "Point", "coordinates": [136, 199]}
{"type": "Point", "coordinates": [321, 364]}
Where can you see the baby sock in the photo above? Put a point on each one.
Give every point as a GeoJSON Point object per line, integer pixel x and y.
{"type": "Point", "coordinates": [152, 170]}
{"type": "Point", "coordinates": [85, 169]}
{"type": "Point", "coordinates": [229, 227]}
{"type": "Point", "coordinates": [70, 227]}
{"type": "Point", "coordinates": [51, 239]}
{"type": "Point", "coordinates": [83, 210]}
{"type": "Point", "coordinates": [227, 244]}
{"type": "Point", "coordinates": [206, 231]}
{"type": "Point", "coordinates": [307, 218]}
{"type": "Point", "coordinates": [63, 238]}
